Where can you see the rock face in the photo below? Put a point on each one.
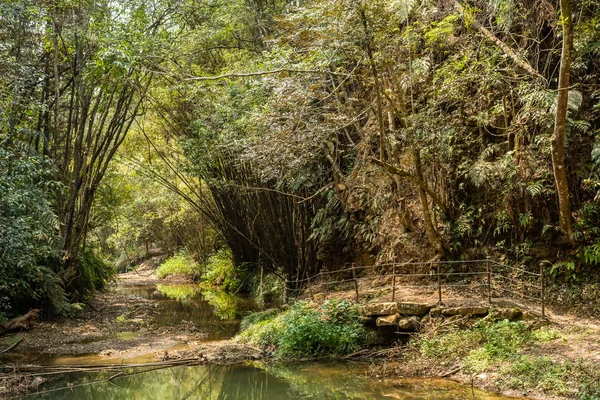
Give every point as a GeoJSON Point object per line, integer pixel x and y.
{"type": "Point", "coordinates": [403, 324]}
{"type": "Point", "coordinates": [411, 316]}
{"type": "Point", "coordinates": [379, 309]}
{"type": "Point", "coordinates": [511, 314]}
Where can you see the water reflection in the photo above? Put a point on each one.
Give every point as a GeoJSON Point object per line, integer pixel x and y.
{"type": "Point", "coordinates": [306, 381]}
{"type": "Point", "coordinates": [214, 312]}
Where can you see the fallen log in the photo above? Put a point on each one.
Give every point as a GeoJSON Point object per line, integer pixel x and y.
{"type": "Point", "coordinates": [22, 323]}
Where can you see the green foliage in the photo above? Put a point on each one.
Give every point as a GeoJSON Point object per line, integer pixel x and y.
{"type": "Point", "coordinates": [307, 330]}
{"type": "Point", "coordinates": [441, 31]}
{"type": "Point", "coordinates": [221, 271]}
{"type": "Point", "coordinates": [499, 340]}
{"type": "Point", "coordinates": [180, 264]}
{"type": "Point", "coordinates": [95, 274]}
{"type": "Point", "coordinates": [256, 317]}
{"type": "Point", "coordinates": [28, 234]}
{"type": "Point", "coordinates": [501, 347]}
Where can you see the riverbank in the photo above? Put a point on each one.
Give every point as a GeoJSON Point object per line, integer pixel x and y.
{"type": "Point", "coordinates": [136, 323]}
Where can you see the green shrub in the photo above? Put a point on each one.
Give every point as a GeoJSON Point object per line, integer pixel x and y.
{"type": "Point", "coordinates": [94, 273]}
{"type": "Point", "coordinates": [306, 330]}
{"type": "Point", "coordinates": [541, 373]}
{"type": "Point", "coordinates": [221, 271]}
{"type": "Point", "coordinates": [179, 265]}
{"type": "Point", "coordinates": [256, 317]}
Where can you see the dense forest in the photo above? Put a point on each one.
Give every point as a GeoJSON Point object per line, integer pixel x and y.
{"type": "Point", "coordinates": [294, 136]}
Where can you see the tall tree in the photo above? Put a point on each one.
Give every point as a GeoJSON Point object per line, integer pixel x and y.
{"type": "Point", "coordinates": [560, 123]}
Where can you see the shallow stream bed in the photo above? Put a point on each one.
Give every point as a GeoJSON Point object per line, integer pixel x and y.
{"type": "Point", "coordinates": [255, 382]}
{"type": "Point", "coordinates": [209, 315]}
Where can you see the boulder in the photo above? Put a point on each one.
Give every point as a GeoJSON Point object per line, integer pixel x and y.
{"type": "Point", "coordinates": [511, 314]}
{"type": "Point", "coordinates": [388, 320]}
{"type": "Point", "coordinates": [373, 309]}
{"type": "Point", "coordinates": [409, 324]}
{"type": "Point", "coordinates": [413, 309]}
{"type": "Point", "coordinates": [389, 308]}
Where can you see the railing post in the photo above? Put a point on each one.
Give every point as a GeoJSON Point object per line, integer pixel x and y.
{"type": "Point", "coordinates": [439, 276]}
{"type": "Point", "coordinates": [543, 290]}
{"type": "Point", "coordinates": [489, 280]}
{"type": "Point", "coordinates": [355, 282]}
{"type": "Point", "coordinates": [285, 292]}
{"type": "Point", "coordinates": [309, 283]}
{"type": "Point", "coordinates": [394, 282]}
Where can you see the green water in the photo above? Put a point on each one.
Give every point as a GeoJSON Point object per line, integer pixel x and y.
{"type": "Point", "coordinates": [254, 382]}
{"type": "Point", "coordinates": [215, 312]}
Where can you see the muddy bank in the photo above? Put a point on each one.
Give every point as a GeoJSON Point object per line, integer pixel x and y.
{"type": "Point", "coordinates": [137, 320]}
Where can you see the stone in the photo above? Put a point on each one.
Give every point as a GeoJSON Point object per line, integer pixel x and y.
{"type": "Point", "coordinates": [464, 311]}
{"type": "Point", "coordinates": [409, 324]}
{"type": "Point", "coordinates": [389, 308]}
{"type": "Point", "coordinates": [36, 382]}
{"type": "Point", "coordinates": [511, 314]}
{"type": "Point", "coordinates": [388, 320]}
{"type": "Point", "coordinates": [435, 312]}
{"type": "Point", "coordinates": [373, 309]}
{"type": "Point", "coordinates": [413, 309]}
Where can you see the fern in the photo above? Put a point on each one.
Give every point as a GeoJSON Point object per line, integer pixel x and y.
{"type": "Point", "coordinates": [535, 189]}
{"type": "Point", "coordinates": [402, 8]}
{"type": "Point", "coordinates": [580, 125]}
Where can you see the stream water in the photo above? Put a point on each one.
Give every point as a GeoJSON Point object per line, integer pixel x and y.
{"type": "Point", "coordinates": [218, 314]}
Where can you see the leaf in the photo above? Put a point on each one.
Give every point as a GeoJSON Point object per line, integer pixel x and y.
{"type": "Point", "coordinates": [575, 100]}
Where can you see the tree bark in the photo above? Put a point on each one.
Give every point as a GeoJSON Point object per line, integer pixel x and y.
{"type": "Point", "coordinates": [432, 233]}
{"type": "Point", "coordinates": [560, 124]}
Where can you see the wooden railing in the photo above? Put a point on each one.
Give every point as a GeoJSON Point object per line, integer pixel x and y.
{"type": "Point", "coordinates": [492, 278]}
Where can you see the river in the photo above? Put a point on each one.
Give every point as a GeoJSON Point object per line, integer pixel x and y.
{"type": "Point", "coordinates": [218, 314]}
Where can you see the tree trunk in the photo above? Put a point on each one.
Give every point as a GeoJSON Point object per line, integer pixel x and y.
{"type": "Point", "coordinates": [432, 233]}
{"type": "Point", "coordinates": [560, 124]}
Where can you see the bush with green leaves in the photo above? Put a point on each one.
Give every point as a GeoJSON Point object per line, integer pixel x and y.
{"type": "Point", "coordinates": [29, 259]}
{"type": "Point", "coordinates": [308, 330]}
{"type": "Point", "coordinates": [181, 264]}
{"type": "Point", "coordinates": [221, 271]}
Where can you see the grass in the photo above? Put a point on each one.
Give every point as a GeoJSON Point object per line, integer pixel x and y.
{"type": "Point", "coordinates": [180, 264]}
{"type": "Point", "coordinates": [307, 329]}
{"type": "Point", "coordinates": [507, 348]}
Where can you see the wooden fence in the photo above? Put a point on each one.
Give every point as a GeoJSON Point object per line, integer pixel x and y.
{"type": "Point", "coordinates": [493, 279]}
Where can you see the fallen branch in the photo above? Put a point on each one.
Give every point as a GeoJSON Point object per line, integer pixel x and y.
{"type": "Point", "coordinates": [261, 73]}
{"type": "Point", "coordinates": [403, 174]}
{"type": "Point", "coordinates": [12, 346]}
{"type": "Point", "coordinates": [451, 372]}
{"type": "Point", "coordinates": [503, 46]}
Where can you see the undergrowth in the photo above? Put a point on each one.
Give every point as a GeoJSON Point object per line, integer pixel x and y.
{"type": "Point", "coordinates": [306, 330]}
{"type": "Point", "coordinates": [504, 347]}
{"type": "Point", "coordinates": [180, 264]}
{"type": "Point", "coordinates": [221, 271]}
